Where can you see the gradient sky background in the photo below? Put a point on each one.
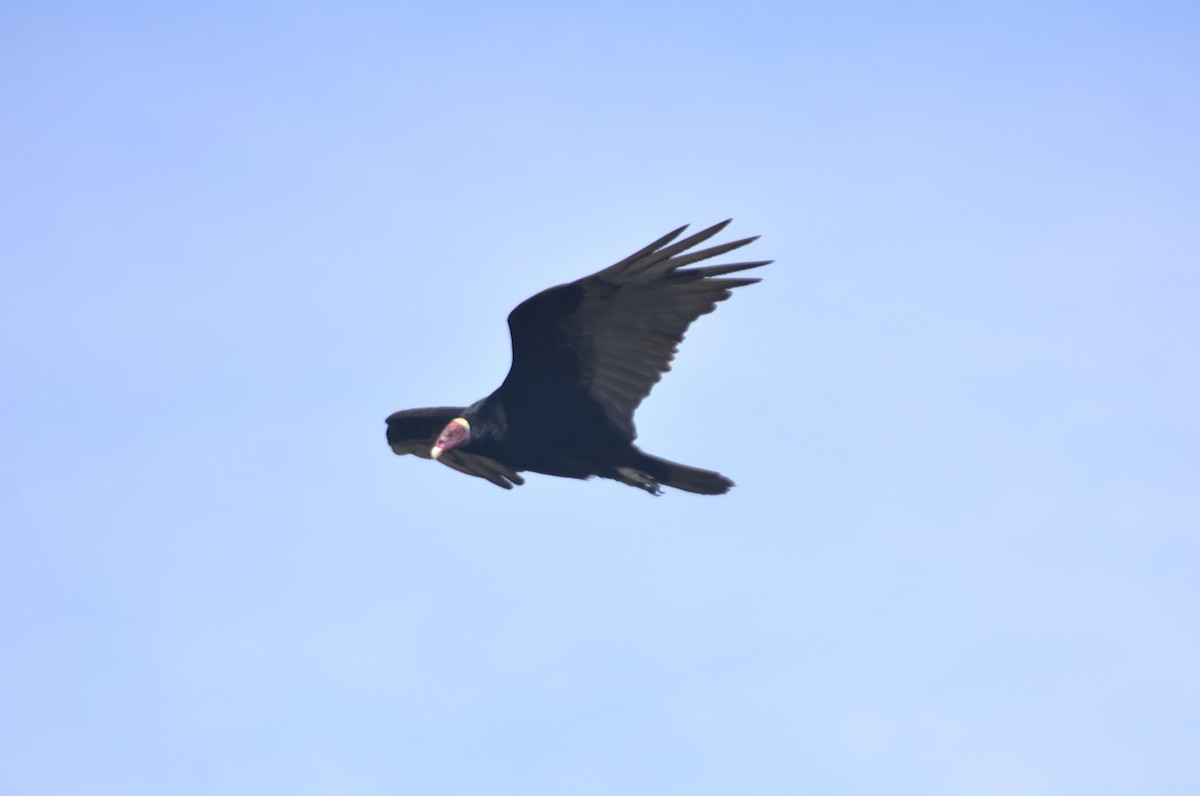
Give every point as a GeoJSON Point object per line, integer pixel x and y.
{"type": "Point", "coordinates": [963, 408]}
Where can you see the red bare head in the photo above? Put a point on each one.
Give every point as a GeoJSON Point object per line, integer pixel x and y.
{"type": "Point", "coordinates": [456, 433]}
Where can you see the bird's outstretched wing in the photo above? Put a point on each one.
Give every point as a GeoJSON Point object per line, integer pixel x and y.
{"type": "Point", "coordinates": [482, 467]}
{"type": "Point", "coordinates": [415, 430]}
{"type": "Point", "coordinates": [613, 334]}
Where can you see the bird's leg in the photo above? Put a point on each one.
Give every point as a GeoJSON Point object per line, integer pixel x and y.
{"type": "Point", "coordinates": [628, 475]}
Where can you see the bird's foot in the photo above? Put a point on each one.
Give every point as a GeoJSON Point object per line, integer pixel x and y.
{"type": "Point", "coordinates": [633, 477]}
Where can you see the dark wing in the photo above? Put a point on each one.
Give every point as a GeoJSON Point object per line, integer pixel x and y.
{"type": "Point", "coordinates": [482, 467]}
{"type": "Point", "coordinates": [415, 430]}
{"type": "Point", "coordinates": [612, 335]}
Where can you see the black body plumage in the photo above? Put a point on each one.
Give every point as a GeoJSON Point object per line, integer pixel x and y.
{"type": "Point", "coordinates": [585, 355]}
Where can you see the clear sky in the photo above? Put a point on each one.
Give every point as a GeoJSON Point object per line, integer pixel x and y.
{"type": "Point", "coordinates": [962, 408]}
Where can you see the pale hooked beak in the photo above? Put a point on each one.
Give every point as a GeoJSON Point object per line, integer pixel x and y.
{"type": "Point", "coordinates": [457, 432]}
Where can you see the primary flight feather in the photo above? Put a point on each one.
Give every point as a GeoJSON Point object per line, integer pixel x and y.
{"type": "Point", "coordinates": [585, 354]}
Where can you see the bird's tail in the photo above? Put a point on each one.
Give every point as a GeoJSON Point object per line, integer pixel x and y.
{"type": "Point", "coordinates": [680, 476]}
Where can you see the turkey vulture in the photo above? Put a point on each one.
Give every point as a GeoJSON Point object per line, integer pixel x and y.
{"type": "Point", "coordinates": [585, 354]}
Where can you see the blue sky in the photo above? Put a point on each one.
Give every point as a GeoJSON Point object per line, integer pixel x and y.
{"type": "Point", "coordinates": [961, 408]}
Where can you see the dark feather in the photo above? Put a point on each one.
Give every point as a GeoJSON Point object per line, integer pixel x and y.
{"type": "Point", "coordinates": [585, 355]}
{"type": "Point", "coordinates": [614, 334]}
{"type": "Point", "coordinates": [415, 430]}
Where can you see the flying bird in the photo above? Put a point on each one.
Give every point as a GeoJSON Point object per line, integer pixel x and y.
{"type": "Point", "coordinates": [584, 355]}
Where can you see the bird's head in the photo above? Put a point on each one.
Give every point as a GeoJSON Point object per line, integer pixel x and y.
{"type": "Point", "coordinates": [456, 434]}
